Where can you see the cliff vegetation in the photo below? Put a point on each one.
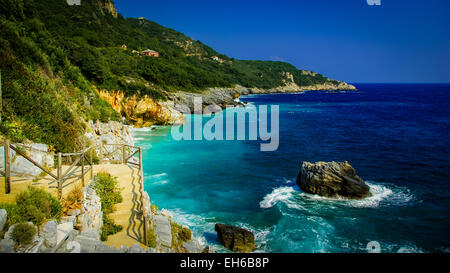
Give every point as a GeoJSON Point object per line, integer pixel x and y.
{"type": "Point", "coordinates": [54, 57]}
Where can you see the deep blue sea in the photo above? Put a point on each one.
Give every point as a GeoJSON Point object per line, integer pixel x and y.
{"type": "Point", "coordinates": [396, 136]}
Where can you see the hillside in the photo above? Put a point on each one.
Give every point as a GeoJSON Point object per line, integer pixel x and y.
{"type": "Point", "coordinates": [55, 58]}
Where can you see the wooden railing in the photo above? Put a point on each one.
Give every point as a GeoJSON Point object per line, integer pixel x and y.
{"type": "Point", "coordinates": [127, 152]}
{"type": "Point", "coordinates": [79, 159]}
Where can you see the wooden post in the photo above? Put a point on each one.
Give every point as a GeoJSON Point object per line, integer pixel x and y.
{"type": "Point", "coordinates": [124, 154]}
{"type": "Point", "coordinates": [100, 156]}
{"type": "Point", "coordinates": [7, 168]}
{"type": "Point", "coordinates": [59, 172]}
{"type": "Point", "coordinates": [141, 178]}
{"type": "Point", "coordinates": [91, 162]}
{"type": "Point", "coordinates": [82, 168]}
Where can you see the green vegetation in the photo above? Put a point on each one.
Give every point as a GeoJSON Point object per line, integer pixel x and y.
{"type": "Point", "coordinates": [151, 235]}
{"type": "Point", "coordinates": [180, 235]}
{"type": "Point", "coordinates": [23, 233]}
{"type": "Point", "coordinates": [33, 205]}
{"type": "Point", "coordinates": [53, 55]}
{"type": "Point", "coordinates": [109, 193]}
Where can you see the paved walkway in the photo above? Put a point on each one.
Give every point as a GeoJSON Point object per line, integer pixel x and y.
{"type": "Point", "coordinates": [127, 213]}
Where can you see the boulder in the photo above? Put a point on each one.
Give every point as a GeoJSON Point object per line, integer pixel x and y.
{"type": "Point", "coordinates": [332, 179]}
{"type": "Point", "coordinates": [49, 234]}
{"type": "Point", "coordinates": [23, 167]}
{"type": "Point", "coordinates": [7, 246]}
{"type": "Point", "coordinates": [193, 246]}
{"type": "Point", "coordinates": [163, 231]}
{"type": "Point", "coordinates": [235, 238]}
{"type": "Point", "coordinates": [62, 231]}
{"type": "Point", "coordinates": [3, 218]}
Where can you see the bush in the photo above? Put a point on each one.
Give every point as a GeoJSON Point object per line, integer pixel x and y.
{"type": "Point", "coordinates": [180, 235]}
{"type": "Point", "coordinates": [23, 233]}
{"type": "Point", "coordinates": [109, 228]}
{"type": "Point", "coordinates": [37, 206]}
{"type": "Point", "coordinates": [106, 187]}
{"type": "Point", "coordinates": [109, 193]}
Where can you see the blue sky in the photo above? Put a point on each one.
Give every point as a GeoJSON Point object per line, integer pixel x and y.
{"type": "Point", "coordinates": [399, 41]}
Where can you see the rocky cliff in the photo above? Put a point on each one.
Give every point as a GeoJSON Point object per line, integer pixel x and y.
{"type": "Point", "coordinates": [144, 111]}
{"type": "Point", "coordinates": [106, 6]}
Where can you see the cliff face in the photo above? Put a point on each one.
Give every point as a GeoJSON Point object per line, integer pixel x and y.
{"type": "Point", "coordinates": [106, 6]}
{"type": "Point", "coordinates": [142, 111]}
{"type": "Point", "coordinates": [290, 86]}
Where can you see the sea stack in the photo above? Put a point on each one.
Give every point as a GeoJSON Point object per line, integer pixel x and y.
{"type": "Point", "coordinates": [235, 239]}
{"type": "Point", "coordinates": [332, 179]}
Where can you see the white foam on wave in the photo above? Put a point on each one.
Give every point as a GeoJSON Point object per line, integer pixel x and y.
{"type": "Point", "coordinates": [161, 182]}
{"type": "Point", "coordinates": [197, 223]}
{"type": "Point", "coordinates": [380, 193]}
{"type": "Point", "coordinates": [277, 195]}
{"type": "Point", "coordinates": [144, 129]}
{"type": "Point", "coordinates": [159, 175]}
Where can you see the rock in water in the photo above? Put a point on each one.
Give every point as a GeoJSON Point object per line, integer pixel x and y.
{"type": "Point", "coordinates": [332, 179]}
{"type": "Point", "coordinates": [235, 239]}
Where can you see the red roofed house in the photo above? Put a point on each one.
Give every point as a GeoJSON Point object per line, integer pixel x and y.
{"type": "Point", "coordinates": [149, 52]}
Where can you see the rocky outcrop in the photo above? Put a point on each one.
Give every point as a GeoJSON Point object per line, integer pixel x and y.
{"type": "Point", "coordinates": [112, 132]}
{"type": "Point", "coordinates": [106, 6]}
{"type": "Point", "coordinates": [294, 88]}
{"type": "Point", "coordinates": [220, 97]}
{"type": "Point", "coordinates": [236, 239]}
{"type": "Point", "coordinates": [143, 111]}
{"type": "Point", "coordinates": [22, 167]}
{"type": "Point", "coordinates": [332, 179]}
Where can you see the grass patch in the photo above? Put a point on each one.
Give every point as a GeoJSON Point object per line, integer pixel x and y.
{"type": "Point", "coordinates": [107, 189]}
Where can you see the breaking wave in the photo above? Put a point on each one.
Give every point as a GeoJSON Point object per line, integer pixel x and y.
{"type": "Point", "coordinates": [381, 194]}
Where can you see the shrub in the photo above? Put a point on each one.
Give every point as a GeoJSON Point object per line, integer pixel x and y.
{"type": "Point", "coordinates": [23, 233]}
{"type": "Point", "coordinates": [151, 236]}
{"type": "Point", "coordinates": [180, 235]}
{"type": "Point", "coordinates": [106, 187]}
{"type": "Point", "coordinates": [109, 193]}
{"type": "Point", "coordinates": [36, 205]}
{"type": "Point", "coordinates": [109, 228]}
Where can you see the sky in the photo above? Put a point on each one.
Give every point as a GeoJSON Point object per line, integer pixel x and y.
{"type": "Point", "coordinates": [398, 41]}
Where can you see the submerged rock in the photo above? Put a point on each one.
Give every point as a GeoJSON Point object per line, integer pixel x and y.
{"type": "Point", "coordinates": [236, 239]}
{"type": "Point", "coordinates": [332, 179]}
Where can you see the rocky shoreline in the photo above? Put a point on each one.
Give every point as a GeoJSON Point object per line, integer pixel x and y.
{"type": "Point", "coordinates": [143, 111]}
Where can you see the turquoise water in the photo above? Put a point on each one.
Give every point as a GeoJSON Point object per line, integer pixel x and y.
{"type": "Point", "coordinates": [396, 137]}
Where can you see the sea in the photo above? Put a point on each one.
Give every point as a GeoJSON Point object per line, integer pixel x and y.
{"type": "Point", "coordinates": [396, 136]}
